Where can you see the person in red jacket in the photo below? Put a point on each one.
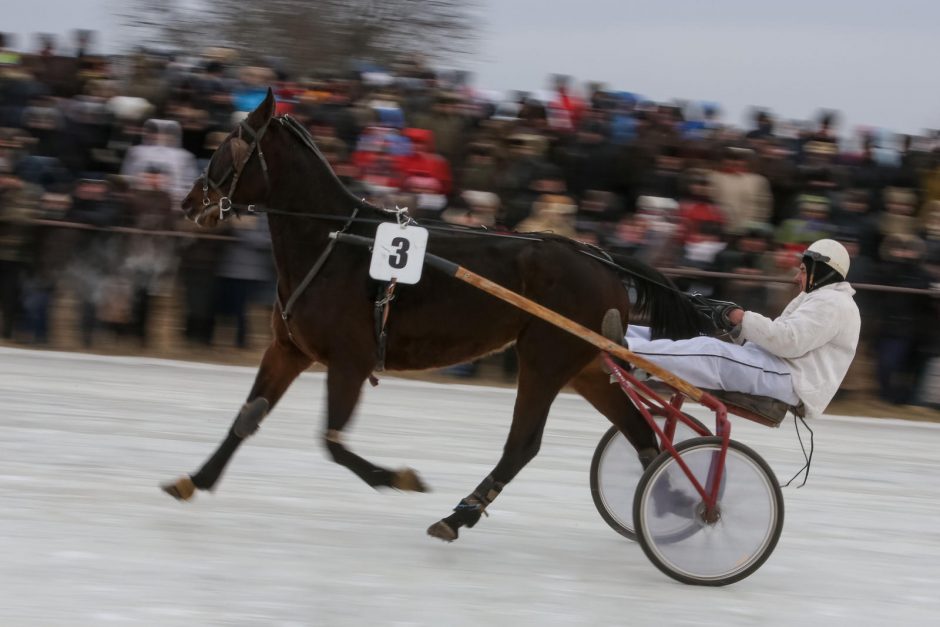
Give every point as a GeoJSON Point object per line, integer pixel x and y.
{"type": "Point", "coordinates": [696, 207]}
{"type": "Point", "coordinates": [424, 161]}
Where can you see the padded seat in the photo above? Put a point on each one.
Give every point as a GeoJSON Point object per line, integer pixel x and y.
{"type": "Point", "coordinates": [763, 409]}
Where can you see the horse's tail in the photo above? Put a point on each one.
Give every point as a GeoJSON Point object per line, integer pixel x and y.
{"type": "Point", "coordinates": [670, 313]}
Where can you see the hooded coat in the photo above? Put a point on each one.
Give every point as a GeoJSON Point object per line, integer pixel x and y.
{"type": "Point", "coordinates": [161, 149]}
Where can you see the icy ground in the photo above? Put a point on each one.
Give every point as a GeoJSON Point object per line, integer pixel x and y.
{"type": "Point", "coordinates": [289, 538]}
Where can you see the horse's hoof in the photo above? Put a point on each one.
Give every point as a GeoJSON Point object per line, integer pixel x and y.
{"type": "Point", "coordinates": [182, 489]}
{"type": "Point", "coordinates": [443, 531]}
{"type": "Point", "coordinates": [408, 480]}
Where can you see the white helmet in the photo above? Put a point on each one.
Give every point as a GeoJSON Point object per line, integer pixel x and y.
{"type": "Point", "coordinates": [831, 253]}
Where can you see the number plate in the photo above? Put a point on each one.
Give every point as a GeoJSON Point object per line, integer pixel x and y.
{"type": "Point", "coordinates": [398, 253]}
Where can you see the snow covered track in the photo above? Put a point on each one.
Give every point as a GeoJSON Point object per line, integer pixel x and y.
{"type": "Point", "coordinates": [289, 538]}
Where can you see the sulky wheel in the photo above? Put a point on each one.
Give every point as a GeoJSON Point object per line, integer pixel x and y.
{"type": "Point", "coordinates": [673, 530]}
{"type": "Point", "coordinates": [615, 473]}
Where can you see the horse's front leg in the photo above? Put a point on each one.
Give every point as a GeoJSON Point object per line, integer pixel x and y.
{"type": "Point", "coordinates": [522, 445]}
{"type": "Point", "coordinates": [281, 364]}
{"type": "Point", "coordinates": [344, 384]}
{"type": "Point", "coordinates": [539, 383]}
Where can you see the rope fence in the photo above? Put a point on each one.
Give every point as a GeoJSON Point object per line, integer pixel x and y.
{"type": "Point", "coordinates": [671, 272]}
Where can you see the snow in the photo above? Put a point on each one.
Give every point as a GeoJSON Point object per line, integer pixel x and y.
{"type": "Point", "coordinates": [289, 538]}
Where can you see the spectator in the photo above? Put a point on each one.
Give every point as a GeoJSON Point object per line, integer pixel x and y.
{"type": "Point", "coordinates": [930, 177]}
{"type": "Point", "coordinates": [148, 258]}
{"type": "Point", "coordinates": [447, 126]}
{"type": "Point", "coordinates": [480, 169]}
{"type": "Point", "coordinates": [898, 217]}
{"type": "Point", "coordinates": [423, 160]}
{"type": "Point", "coordinates": [852, 218]}
{"type": "Point", "coordinates": [565, 109]}
{"type": "Point", "coordinates": [597, 209]}
{"type": "Point", "coordinates": [524, 164]}
{"type": "Point", "coordinates": [161, 148]}
{"type": "Point", "coordinates": [659, 217]}
{"type": "Point", "coordinates": [763, 126]}
{"type": "Point", "coordinates": [664, 180]}
{"type": "Point", "coordinates": [696, 206]}
{"type": "Point", "coordinates": [748, 255]}
{"type": "Point", "coordinates": [588, 156]}
{"type": "Point", "coordinates": [214, 95]}
{"type": "Point", "coordinates": [932, 241]}
{"type": "Point", "coordinates": [700, 252]}
{"type": "Point", "coordinates": [244, 273]}
{"type": "Point", "coordinates": [904, 320]}
{"type": "Point", "coordinates": [95, 255]}
{"type": "Point", "coordinates": [473, 208]}
{"type": "Point", "coordinates": [51, 256]}
{"type": "Point", "coordinates": [18, 207]}
{"type": "Point", "coordinates": [810, 224]}
{"type": "Point", "coordinates": [744, 197]}
{"type": "Point", "coordinates": [553, 211]}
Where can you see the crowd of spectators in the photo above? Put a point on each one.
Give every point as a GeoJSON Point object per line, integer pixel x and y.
{"type": "Point", "coordinates": [96, 152]}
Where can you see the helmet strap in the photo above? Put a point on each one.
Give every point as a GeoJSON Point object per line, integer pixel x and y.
{"type": "Point", "coordinates": [827, 275]}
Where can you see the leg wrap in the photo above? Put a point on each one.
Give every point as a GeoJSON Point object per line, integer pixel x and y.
{"type": "Point", "coordinates": [250, 417]}
{"type": "Point", "coordinates": [469, 510]}
{"type": "Point", "coordinates": [487, 491]}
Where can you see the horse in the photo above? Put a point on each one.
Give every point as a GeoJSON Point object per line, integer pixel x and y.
{"type": "Point", "coordinates": [326, 302]}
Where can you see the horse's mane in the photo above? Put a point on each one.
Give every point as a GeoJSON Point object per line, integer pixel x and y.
{"type": "Point", "coordinates": [307, 140]}
{"type": "Point", "coordinates": [670, 313]}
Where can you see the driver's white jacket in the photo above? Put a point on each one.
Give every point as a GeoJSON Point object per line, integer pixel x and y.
{"type": "Point", "coordinates": [817, 335]}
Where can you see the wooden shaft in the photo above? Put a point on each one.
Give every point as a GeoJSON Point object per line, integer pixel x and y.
{"type": "Point", "coordinates": [579, 330]}
{"type": "Point", "coordinates": [598, 340]}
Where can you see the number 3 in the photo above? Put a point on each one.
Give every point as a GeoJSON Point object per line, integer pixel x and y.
{"type": "Point", "coordinates": [400, 259]}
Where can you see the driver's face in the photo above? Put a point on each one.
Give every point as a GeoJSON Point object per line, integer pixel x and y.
{"type": "Point", "coordinates": [800, 278]}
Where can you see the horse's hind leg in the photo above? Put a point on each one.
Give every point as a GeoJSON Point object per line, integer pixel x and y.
{"type": "Point", "coordinates": [594, 385]}
{"type": "Point", "coordinates": [281, 364]}
{"type": "Point", "coordinates": [344, 384]}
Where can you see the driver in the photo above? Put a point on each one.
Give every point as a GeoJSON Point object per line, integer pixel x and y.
{"type": "Point", "coordinates": [799, 357]}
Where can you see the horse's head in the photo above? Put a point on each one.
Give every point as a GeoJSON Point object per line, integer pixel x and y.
{"type": "Point", "coordinates": [228, 181]}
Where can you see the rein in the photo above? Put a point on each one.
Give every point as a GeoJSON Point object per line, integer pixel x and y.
{"type": "Point", "coordinates": [227, 207]}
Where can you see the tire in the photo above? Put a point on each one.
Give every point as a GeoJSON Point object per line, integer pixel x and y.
{"type": "Point", "coordinates": [680, 543]}
{"type": "Point", "coordinates": [615, 473]}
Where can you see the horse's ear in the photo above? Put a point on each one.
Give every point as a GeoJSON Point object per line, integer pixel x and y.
{"type": "Point", "coordinates": [264, 111]}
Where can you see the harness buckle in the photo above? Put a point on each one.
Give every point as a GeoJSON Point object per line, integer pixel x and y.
{"type": "Point", "coordinates": [225, 205]}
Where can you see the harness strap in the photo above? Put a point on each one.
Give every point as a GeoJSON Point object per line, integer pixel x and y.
{"type": "Point", "coordinates": [314, 271]}
{"type": "Point", "coordinates": [255, 145]}
{"type": "Point", "coordinates": [383, 301]}
{"type": "Point", "coordinates": [256, 141]}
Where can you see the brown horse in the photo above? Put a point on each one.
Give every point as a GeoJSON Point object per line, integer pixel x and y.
{"type": "Point", "coordinates": [325, 306]}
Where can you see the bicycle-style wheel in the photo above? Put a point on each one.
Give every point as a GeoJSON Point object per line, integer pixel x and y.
{"type": "Point", "coordinates": [673, 532]}
{"type": "Point", "coordinates": [615, 473]}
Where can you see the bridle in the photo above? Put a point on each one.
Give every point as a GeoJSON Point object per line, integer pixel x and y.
{"type": "Point", "coordinates": [224, 203]}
